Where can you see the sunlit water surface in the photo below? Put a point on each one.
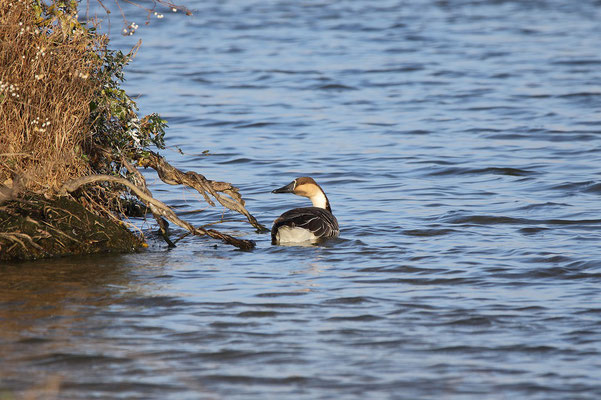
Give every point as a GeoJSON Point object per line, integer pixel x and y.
{"type": "Point", "coordinates": [459, 144]}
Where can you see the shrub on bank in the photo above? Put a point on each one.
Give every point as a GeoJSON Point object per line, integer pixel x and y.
{"type": "Point", "coordinates": [62, 112]}
{"type": "Point", "coordinates": [68, 129]}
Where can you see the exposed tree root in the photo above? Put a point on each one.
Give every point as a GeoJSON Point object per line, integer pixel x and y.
{"type": "Point", "coordinates": [34, 226]}
{"type": "Point", "coordinates": [174, 176]}
{"type": "Point", "coordinates": [20, 238]}
{"type": "Point", "coordinates": [159, 208]}
{"type": "Point", "coordinates": [141, 182]}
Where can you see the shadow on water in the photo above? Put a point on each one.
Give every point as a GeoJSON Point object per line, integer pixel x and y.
{"type": "Point", "coordinates": [42, 291]}
{"type": "Point", "coordinates": [47, 307]}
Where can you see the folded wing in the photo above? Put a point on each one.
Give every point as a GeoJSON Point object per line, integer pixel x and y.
{"type": "Point", "coordinates": [316, 220]}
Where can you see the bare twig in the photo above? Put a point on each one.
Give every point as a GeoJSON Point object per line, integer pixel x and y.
{"type": "Point", "coordinates": [161, 207]}
{"type": "Point", "coordinates": [130, 28]}
{"type": "Point", "coordinates": [102, 5]}
{"type": "Point", "coordinates": [15, 155]}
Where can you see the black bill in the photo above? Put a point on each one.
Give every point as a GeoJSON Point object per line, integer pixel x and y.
{"type": "Point", "coordinates": [289, 188]}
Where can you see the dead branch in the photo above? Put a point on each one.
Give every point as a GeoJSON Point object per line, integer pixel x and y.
{"type": "Point", "coordinates": [174, 176]}
{"type": "Point", "coordinates": [161, 208]}
{"type": "Point", "coordinates": [141, 182]}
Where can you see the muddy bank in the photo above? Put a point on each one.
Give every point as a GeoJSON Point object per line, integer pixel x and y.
{"type": "Point", "coordinates": [34, 227]}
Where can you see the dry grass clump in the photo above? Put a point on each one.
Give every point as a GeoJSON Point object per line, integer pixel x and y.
{"type": "Point", "coordinates": [46, 62]}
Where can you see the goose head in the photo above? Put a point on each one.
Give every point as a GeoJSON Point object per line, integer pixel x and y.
{"type": "Point", "coordinates": [307, 187]}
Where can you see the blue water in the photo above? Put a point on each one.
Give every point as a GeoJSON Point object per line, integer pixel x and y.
{"type": "Point", "coordinates": [459, 144]}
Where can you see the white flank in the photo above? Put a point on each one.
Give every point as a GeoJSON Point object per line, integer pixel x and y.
{"type": "Point", "coordinates": [287, 234]}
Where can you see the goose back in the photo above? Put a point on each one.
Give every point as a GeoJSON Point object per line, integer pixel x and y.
{"type": "Point", "coordinates": [319, 222]}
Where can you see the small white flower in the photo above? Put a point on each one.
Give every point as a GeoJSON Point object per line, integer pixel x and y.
{"type": "Point", "coordinates": [174, 9]}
